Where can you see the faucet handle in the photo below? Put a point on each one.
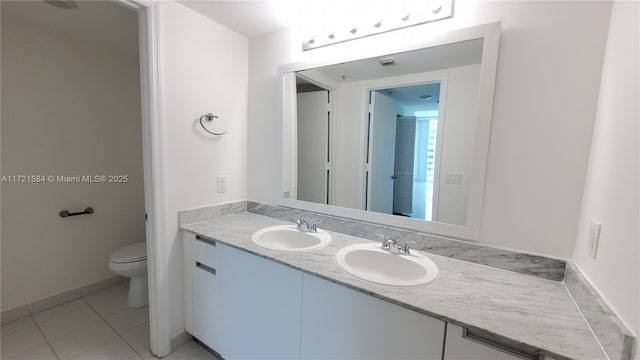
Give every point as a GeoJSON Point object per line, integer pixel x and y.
{"type": "Point", "coordinates": [383, 240]}
{"type": "Point", "coordinates": [302, 225]}
{"type": "Point", "coordinates": [313, 228]}
{"type": "Point", "coordinates": [405, 249]}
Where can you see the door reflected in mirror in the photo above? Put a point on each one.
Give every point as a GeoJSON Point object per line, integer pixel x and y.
{"type": "Point", "coordinates": [402, 143]}
{"type": "Point", "coordinates": [392, 134]}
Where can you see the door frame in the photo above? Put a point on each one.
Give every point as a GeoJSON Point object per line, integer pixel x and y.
{"type": "Point", "coordinates": [154, 174]}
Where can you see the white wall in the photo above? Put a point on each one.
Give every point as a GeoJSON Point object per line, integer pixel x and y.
{"type": "Point", "coordinates": [611, 192]}
{"type": "Point", "coordinates": [458, 141]}
{"type": "Point", "coordinates": [203, 68]}
{"type": "Point", "coordinates": [70, 106]}
{"type": "Point", "coordinates": [546, 89]}
{"type": "Point", "coordinates": [289, 137]}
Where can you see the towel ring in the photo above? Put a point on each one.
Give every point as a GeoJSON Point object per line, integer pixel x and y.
{"type": "Point", "coordinates": [209, 117]}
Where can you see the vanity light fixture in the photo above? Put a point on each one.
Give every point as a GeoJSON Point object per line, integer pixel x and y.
{"type": "Point", "coordinates": [425, 12]}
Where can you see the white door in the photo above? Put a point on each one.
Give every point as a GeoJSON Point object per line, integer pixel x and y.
{"type": "Point", "coordinates": [313, 139]}
{"type": "Point", "coordinates": [382, 148]}
{"type": "Point", "coordinates": [404, 164]}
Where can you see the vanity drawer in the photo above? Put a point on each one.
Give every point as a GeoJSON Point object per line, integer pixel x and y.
{"type": "Point", "coordinates": [204, 250]}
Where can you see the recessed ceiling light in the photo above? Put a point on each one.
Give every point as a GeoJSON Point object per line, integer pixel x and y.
{"type": "Point", "coordinates": [387, 61]}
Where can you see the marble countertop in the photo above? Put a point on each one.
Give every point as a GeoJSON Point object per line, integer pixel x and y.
{"type": "Point", "coordinates": [521, 308]}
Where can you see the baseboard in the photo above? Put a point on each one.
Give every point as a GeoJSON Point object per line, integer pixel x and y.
{"type": "Point", "coordinates": [35, 306]}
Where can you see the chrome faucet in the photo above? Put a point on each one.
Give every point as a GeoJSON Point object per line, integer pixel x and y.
{"type": "Point", "coordinates": [306, 227]}
{"type": "Point", "coordinates": [391, 245]}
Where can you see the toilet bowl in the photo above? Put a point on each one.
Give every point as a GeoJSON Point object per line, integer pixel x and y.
{"type": "Point", "coordinates": [131, 261]}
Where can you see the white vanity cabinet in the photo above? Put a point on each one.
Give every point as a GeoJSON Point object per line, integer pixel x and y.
{"type": "Point", "coordinates": [341, 323]}
{"type": "Point", "coordinates": [244, 306]}
{"type": "Point", "coordinates": [239, 304]}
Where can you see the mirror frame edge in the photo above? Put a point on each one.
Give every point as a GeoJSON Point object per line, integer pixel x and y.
{"type": "Point", "coordinates": [490, 33]}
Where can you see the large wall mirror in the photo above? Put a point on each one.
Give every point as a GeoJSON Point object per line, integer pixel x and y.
{"type": "Point", "coordinates": [399, 139]}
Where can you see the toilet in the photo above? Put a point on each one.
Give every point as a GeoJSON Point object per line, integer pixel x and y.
{"type": "Point", "coordinates": [131, 261]}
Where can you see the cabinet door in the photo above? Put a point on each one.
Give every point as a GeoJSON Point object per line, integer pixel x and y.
{"type": "Point", "coordinates": [260, 307]}
{"type": "Point", "coordinates": [206, 290]}
{"type": "Point", "coordinates": [340, 323]}
{"type": "Point", "coordinates": [462, 346]}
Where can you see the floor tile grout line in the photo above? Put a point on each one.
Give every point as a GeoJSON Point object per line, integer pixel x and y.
{"type": "Point", "coordinates": [120, 336]}
{"type": "Point", "coordinates": [81, 327]}
{"type": "Point", "coordinates": [101, 318]}
{"type": "Point", "coordinates": [117, 333]}
{"type": "Point", "coordinates": [46, 339]}
{"type": "Point", "coordinates": [114, 330]}
{"type": "Point", "coordinates": [65, 314]}
{"type": "Point", "coordinates": [32, 314]}
{"type": "Point", "coordinates": [106, 323]}
{"type": "Point", "coordinates": [134, 350]}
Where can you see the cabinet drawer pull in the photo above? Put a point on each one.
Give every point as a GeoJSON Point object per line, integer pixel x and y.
{"type": "Point", "coordinates": [206, 240]}
{"type": "Point", "coordinates": [501, 345]}
{"type": "Point", "coordinates": [205, 268]}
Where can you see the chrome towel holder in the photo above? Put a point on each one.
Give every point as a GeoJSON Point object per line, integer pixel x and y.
{"type": "Point", "coordinates": [66, 213]}
{"type": "Point", "coordinates": [209, 117]}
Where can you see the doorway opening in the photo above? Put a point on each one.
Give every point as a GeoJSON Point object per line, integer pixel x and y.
{"type": "Point", "coordinates": [80, 43]}
{"type": "Point", "coordinates": [404, 129]}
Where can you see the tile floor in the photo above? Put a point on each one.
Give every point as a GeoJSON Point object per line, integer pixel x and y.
{"type": "Point", "coordinates": [97, 326]}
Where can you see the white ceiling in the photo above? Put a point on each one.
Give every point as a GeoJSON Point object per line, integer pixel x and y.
{"type": "Point", "coordinates": [248, 18]}
{"type": "Point", "coordinates": [103, 22]}
{"type": "Point", "coordinates": [410, 95]}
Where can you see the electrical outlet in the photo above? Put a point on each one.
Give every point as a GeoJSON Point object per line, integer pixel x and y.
{"type": "Point", "coordinates": [222, 184]}
{"type": "Point", "coordinates": [594, 238]}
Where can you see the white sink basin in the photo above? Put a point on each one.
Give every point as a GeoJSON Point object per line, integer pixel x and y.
{"type": "Point", "coordinates": [369, 262]}
{"type": "Point", "coordinates": [288, 238]}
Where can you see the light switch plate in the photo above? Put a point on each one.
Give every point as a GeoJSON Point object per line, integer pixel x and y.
{"type": "Point", "coordinates": [222, 184]}
{"type": "Point", "coordinates": [594, 238]}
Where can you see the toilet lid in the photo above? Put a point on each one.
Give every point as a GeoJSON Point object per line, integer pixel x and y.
{"type": "Point", "coordinates": [131, 253]}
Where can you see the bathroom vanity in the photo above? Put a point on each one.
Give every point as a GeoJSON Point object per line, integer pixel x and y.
{"type": "Point", "coordinates": [245, 301]}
